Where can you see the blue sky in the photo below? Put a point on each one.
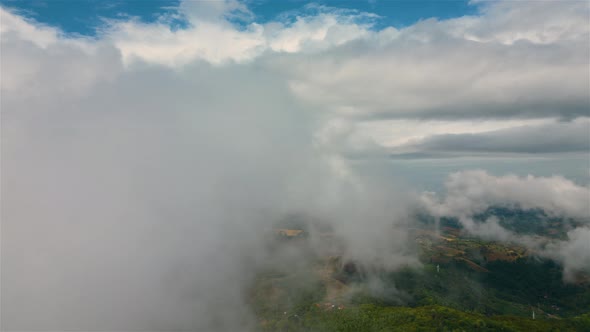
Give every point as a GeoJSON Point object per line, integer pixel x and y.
{"type": "Point", "coordinates": [84, 16]}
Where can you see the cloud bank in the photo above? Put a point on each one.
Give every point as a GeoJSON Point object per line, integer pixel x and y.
{"type": "Point", "coordinates": [549, 138]}
{"type": "Point", "coordinates": [469, 69]}
{"type": "Point", "coordinates": [471, 192]}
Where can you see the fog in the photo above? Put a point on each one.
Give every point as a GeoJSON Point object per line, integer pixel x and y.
{"type": "Point", "coordinates": [140, 202]}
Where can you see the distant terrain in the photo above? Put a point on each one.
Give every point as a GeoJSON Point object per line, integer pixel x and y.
{"type": "Point", "coordinates": [462, 283]}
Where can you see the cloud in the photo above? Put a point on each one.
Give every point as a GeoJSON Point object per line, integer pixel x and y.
{"type": "Point", "coordinates": [137, 197]}
{"type": "Point", "coordinates": [547, 22]}
{"type": "Point", "coordinates": [212, 36]}
{"type": "Point", "coordinates": [547, 138]}
{"type": "Point", "coordinates": [472, 67]}
{"type": "Point", "coordinates": [14, 24]}
{"type": "Point", "coordinates": [448, 79]}
{"type": "Point", "coordinates": [440, 70]}
{"type": "Point", "coordinates": [139, 203]}
{"type": "Point", "coordinates": [573, 253]}
{"type": "Point", "coordinates": [472, 192]}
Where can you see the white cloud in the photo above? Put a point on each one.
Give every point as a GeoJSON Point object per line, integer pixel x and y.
{"type": "Point", "coordinates": [210, 37]}
{"type": "Point", "coordinates": [392, 133]}
{"type": "Point", "coordinates": [495, 65]}
{"type": "Point", "coordinates": [209, 41]}
{"type": "Point", "coordinates": [136, 197]}
{"type": "Point", "coordinates": [509, 22]}
{"type": "Point", "coordinates": [14, 24]}
{"type": "Point", "coordinates": [472, 192]}
{"type": "Point", "coordinates": [573, 252]}
{"type": "Point", "coordinates": [447, 79]}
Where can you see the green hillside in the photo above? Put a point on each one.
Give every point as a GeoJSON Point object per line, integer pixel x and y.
{"type": "Point", "coordinates": [368, 317]}
{"type": "Point", "coordinates": [463, 284]}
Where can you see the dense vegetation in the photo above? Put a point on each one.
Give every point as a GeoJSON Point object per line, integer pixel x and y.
{"type": "Point", "coordinates": [453, 299]}
{"type": "Point", "coordinates": [531, 222]}
{"type": "Point", "coordinates": [368, 317]}
{"type": "Point", "coordinates": [509, 288]}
